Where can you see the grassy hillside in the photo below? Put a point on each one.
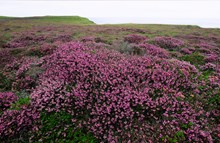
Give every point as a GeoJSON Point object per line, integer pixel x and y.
{"type": "Point", "coordinates": [52, 19]}
{"type": "Point", "coordinates": [62, 19]}
{"type": "Point", "coordinates": [4, 17]}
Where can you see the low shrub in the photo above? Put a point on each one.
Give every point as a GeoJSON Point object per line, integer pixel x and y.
{"type": "Point", "coordinates": [208, 66]}
{"type": "Point", "coordinates": [134, 38]}
{"type": "Point", "coordinates": [186, 51]}
{"type": "Point", "coordinates": [6, 99]}
{"type": "Point", "coordinates": [17, 125]}
{"type": "Point", "coordinates": [5, 82]}
{"type": "Point", "coordinates": [24, 73]}
{"type": "Point", "coordinates": [41, 51]}
{"type": "Point", "coordinates": [154, 50]}
{"type": "Point", "coordinates": [212, 58]}
{"type": "Point", "coordinates": [88, 93]}
{"type": "Point", "coordinates": [124, 98]}
{"type": "Point", "coordinates": [168, 43]}
{"type": "Point", "coordinates": [24, 39]}
{"type": "Point", "coordinates": [6, 57]}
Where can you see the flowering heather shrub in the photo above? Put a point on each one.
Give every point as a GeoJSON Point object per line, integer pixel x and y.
{"type": "Point", "coordinates": [204, 45]}
{"type": "Point", "coordinates": [168, 43]}
{"type": "Point", "coordinates": [24, 73]}
{"type": "Point", "coordinates": [111, 95]}
{"type": "Point", "coordinates": [134, 38]}
{"type": "Point", "coordinates": [94, 40]}
{"type": "Point", "coordinates": [16, 125]}
{"type": "Point", "coordinates": [90, 92]}
{"type": "Point", "coordinates": [25, 39]}
{"type": "Point", "coordinates": [175, 54]}
{"type": "Point", "coordinates": [192, 39]}
{"type": "Point", "coordinates": [212, 58]}
{"type": "Point", "coordinates": [27, 75]}
{"type": "Point", "coordinates": [6, 57]}
{"type": "Point", "coordinates": [96, 45]}
{"type": "Point", "coordinates": [87, 39]}
{"type": "Point", "coordinates": [208, 66]}
{"type": "Point", "coordinates": [186, 51]}
{"type": "Point", "coordinates": [62, 38]}
{"type": "Point", "coordinates": [209, 101]}
{"type": "Point", "coordinates": [191, 49]}
{"type": "Point", "coordinates": [115, 97]}
{"type": "Point", "coordinates": [207, 48]}
{"type": "Point", "coordinates": [205, 51]}
{"type": "Point", "coordinates": [6, 99]}
{"type": "Point", "coordinates": [154, 51]}
{"type": "Point", "coordinates": [44, 49]}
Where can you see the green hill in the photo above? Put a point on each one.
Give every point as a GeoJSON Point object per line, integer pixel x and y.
{"type": "Point", "coordinates": [52, 19]}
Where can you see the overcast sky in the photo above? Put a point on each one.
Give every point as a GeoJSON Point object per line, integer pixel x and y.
{"type": "Point", "coordinates": [194, 12]}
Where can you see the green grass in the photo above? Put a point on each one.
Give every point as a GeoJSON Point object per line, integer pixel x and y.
{"type": "Point", "coordinates": [54, 19]}
{"type": "Point", "coordinates": [178, 137]}
{"type": "Point", "coordinates": [63, 19]}
{"type": "Point", "coordinates": [55, 123]}
{"type": "Point", "coordinates": [5, 17]}
{"type": "Point", "coordinates": [195, 59]}
{"type": "Point", "coordinates": [20, 103]}
{"type": "Point", "coordinates": [23, 99]}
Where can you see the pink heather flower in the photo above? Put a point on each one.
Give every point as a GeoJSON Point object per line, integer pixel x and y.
{"type": "Point", "coordinates": [117, 97]}
{"type": "Point", "coordinates": [154, 51]}
{"type": "Point", "coordinates": [186, 51]}
{"type": "Point", "coordinates": [203, 133]}
{"type": "Point", "coordinates": [208, 66]}
{"type": "Point", "coordinates": [134, 38]}
{"type": "Point", "coordinates": [6, 99]}
{"type": "Point", "coordinates": [168, 43]}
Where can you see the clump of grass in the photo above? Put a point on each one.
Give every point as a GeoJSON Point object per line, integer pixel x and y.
{"type": "Point", "coordinates": [57, 126]}
{"type": "Point", "coordinates": [23, 99]}
{"type": "Point", "coordinates": [195, 59]}
{"type": "Point", "coordinates": [178, 137]}
{"type": "Point", "coordinates": [62, 19]}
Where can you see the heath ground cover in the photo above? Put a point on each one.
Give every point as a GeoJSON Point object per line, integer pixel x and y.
{"type": "Point", "coordinates": [66, 82]}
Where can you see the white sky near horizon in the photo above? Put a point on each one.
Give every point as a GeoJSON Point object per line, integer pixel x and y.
{"type": "Point", "coordinates": [194, 12]}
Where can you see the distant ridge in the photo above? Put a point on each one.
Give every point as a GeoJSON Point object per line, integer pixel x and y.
{"type": "Point", "coordinates": [57, 19]}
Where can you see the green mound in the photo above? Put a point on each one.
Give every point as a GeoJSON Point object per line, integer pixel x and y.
{"type": "Point", "coordinates": [5, 18]}
{"type": "Point", "coordinates": [53, 19]}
